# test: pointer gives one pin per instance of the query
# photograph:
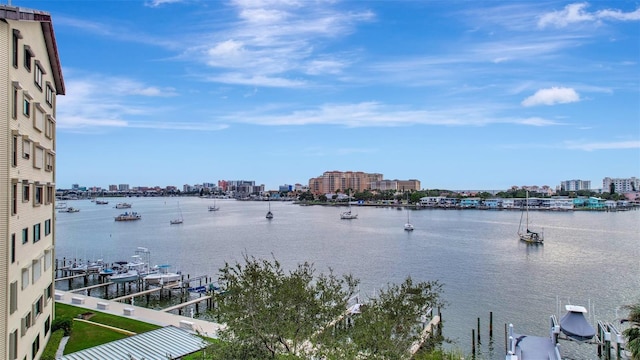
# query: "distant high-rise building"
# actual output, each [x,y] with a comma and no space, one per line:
[575,185]
[31,80]
[123,187]
[621,185]
[113,187]
[396,185]
[333,181]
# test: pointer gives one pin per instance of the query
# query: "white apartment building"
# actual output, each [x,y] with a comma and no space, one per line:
[31,77]
[621,186]
[575,185]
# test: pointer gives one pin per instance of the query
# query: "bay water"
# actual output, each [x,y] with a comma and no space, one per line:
[588,258]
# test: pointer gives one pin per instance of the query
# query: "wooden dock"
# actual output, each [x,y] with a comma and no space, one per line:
[181,305]
[144,292]
[424,335]
[71,277]
[91,287]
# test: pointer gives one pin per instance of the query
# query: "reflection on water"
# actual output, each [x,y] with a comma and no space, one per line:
[587,257]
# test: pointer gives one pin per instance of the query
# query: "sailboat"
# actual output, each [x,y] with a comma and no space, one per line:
[408,226]
[177,220]
[525,234]
[269,213]
[348,215]
[214,207]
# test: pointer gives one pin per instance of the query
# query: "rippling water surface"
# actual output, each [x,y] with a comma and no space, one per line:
[589,258]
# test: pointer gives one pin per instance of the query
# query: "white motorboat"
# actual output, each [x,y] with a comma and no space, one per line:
[123,206]
[129,216]
[162,276]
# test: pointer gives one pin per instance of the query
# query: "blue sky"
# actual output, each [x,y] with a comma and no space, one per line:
[456,94]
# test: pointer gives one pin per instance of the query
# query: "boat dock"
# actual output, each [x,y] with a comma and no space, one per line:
[179,307]
[160,318]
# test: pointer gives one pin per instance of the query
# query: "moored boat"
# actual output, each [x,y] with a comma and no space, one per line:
[128,216]
[123,206]
[162,276]
[69,210]
[575,325]
[525,234]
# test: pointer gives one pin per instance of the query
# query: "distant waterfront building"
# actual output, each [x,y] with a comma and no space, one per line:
[396,185]
[285,188]
[621,185]
[333,181]
[243,188]
[32,78]
[123,187]
[113,187]
[575,185]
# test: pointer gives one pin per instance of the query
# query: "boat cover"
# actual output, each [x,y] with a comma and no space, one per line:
[575,325]
[535,347]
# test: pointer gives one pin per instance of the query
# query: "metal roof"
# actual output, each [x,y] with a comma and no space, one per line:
[168,342]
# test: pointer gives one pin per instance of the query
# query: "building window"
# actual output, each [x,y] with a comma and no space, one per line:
[48,292]
[14,109]
[35,347]
[13,248]
[50,126]
[14,150]
[48,161]
[36,233]
[38,161]
[47,227]
[13,297]
[25,278]
[38,75]
[47,325]
[25,192]
[26,148]
[25,324]
[26,107]
[37,307]
[49,199]
[38,121]
[13,345]
[28,56]
[16,40]
[38,196]
[48,254]
[49,94]
[14,199]
[25,235]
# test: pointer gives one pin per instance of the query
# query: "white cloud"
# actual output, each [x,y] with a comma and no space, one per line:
[375,114]
[156,3]
[552,96]
[269,39]
[577,13]
[613,145]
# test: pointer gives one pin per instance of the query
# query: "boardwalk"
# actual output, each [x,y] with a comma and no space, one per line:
[160,318]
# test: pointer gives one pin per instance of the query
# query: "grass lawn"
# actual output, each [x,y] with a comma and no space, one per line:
[84,336]
[69,311]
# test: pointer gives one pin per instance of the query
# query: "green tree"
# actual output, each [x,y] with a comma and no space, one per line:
[273,313]
[633,333]
[270,311]
[387,327]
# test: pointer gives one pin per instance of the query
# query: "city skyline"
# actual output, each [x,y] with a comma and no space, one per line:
[458,95]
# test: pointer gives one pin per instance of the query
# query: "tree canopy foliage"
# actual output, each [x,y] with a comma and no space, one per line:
[633,332]
[298,314]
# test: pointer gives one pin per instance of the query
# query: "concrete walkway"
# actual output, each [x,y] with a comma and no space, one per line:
[156,317]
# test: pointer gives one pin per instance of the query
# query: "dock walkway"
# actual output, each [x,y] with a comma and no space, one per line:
[160,318]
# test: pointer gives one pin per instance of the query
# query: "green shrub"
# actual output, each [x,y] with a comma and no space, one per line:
[63,323]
